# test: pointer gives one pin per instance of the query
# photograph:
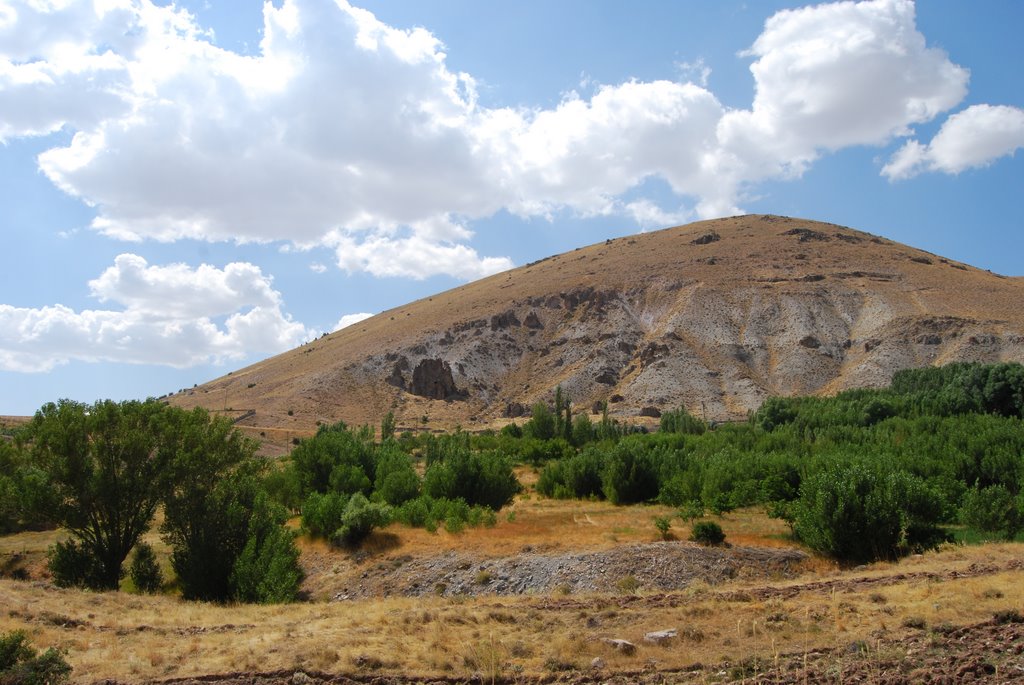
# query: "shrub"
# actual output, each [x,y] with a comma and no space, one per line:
[483,478]
[71,565]
[359,519]
[267,571]
[396,479]
[22,665]
[854,513]
[691,510]
[664,526]
[630,474]
[145,571]
[322,514]
[707,533]
[681,421]
[992,510]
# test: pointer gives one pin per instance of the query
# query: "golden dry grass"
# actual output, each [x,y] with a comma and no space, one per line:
[131,638]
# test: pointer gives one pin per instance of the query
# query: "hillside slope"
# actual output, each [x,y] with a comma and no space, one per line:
[716,315]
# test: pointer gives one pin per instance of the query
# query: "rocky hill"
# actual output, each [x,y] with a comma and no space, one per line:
[716,315]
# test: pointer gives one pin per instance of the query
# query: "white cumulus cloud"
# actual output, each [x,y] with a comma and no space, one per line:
[350,319]
[172,315]
[973,138]
[346,132]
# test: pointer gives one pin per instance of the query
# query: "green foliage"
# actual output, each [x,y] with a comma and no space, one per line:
[681,421]
[396,478]
[144,570]
[20,664]
[664,526]
[578,476]
[542,424]
[775,412]
[630,474]
[483,478]
[224,529]
[322,513]
[104,467]
[387,427]
[73,565]
[359,519]
[859,514]
[267,571]
[993,510]
[707,533]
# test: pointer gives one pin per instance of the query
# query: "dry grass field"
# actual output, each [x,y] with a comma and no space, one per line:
[890,617]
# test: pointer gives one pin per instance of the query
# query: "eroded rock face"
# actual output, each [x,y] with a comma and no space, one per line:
[432,378]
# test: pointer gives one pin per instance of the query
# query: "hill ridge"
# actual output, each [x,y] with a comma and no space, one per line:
[715,315]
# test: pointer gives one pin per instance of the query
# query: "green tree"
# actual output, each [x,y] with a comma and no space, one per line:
[993,510]
[105,470]
[541,424]
[145,571]
[856,513]
[630,474]
[387,427]
[219,521]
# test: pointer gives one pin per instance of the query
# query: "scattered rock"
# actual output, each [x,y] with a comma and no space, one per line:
[504,320]
[706,238]
[619,645]
[653,412]
[807,234]
[614,399]
[533,321]
[810,342]
[597,663]
[660,637]
[300,678]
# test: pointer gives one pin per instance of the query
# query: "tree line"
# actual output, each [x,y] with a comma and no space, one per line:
[867,474]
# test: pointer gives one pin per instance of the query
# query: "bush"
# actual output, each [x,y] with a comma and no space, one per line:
[145,571]
[664,526]
[630,474]
[322,514]
[993,510]
[707,533]
[857,514]
[483,478]
[22,665]
[71,565]
[267,571]
[359,519]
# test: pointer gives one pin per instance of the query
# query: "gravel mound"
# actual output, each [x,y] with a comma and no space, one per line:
[655,566]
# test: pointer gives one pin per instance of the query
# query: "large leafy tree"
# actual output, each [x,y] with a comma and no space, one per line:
[227,537]
[105,469]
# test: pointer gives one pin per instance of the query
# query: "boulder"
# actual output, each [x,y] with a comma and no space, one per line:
[660,637]
[619,645]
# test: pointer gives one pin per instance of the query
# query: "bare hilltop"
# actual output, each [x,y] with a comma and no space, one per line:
[715,315]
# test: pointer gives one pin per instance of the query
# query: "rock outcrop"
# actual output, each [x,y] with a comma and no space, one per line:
[432,378]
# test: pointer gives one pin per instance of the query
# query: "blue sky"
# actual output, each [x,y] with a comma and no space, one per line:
[188,188]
